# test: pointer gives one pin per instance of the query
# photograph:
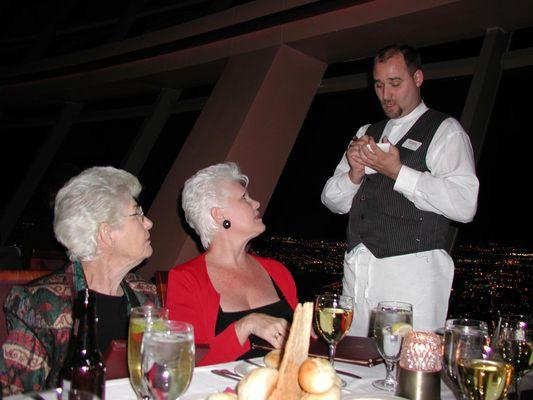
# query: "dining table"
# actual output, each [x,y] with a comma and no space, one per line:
[204,382]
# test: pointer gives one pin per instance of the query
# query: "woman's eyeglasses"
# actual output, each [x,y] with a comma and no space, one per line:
[139,213]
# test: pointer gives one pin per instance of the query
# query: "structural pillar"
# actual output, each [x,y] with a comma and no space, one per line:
[481,98]
[40,164]
[252,117]
[150,130]
[484,87]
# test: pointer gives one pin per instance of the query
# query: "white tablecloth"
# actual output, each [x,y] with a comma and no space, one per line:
[204,382]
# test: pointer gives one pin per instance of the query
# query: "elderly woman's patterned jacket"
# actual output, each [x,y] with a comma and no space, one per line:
[39,321]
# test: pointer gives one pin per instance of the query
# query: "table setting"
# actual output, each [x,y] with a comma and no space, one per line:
[462,362]
[204,383]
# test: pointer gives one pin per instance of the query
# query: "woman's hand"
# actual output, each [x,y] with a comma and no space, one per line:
[273,330]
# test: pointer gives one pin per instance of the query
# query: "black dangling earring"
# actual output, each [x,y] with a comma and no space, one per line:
[226,224]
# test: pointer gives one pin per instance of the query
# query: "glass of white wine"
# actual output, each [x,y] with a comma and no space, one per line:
[453,328]
[333,318]
[513,341]
[167,360]
[393,320]
[143,318]
[481,374]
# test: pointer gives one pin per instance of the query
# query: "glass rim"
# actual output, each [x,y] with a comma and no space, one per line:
[334,300]
[147,307]
[516,317]
[513,321]
[465,322]
[468,331]
[174,326]
[147,310]
[334,296]
[178,335]
[392,304]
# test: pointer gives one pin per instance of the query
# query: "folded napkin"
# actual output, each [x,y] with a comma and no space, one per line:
[383,146]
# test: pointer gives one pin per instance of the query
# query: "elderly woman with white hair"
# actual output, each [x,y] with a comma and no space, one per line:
[105,232]
[228,294]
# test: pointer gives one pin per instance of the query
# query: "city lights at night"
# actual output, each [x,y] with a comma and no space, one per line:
[489,280]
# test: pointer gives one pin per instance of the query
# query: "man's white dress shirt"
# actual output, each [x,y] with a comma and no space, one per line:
[424,279]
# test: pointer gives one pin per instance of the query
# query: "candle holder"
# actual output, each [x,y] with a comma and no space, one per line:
[420,365]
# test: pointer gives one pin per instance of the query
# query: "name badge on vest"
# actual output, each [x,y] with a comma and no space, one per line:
[411,144]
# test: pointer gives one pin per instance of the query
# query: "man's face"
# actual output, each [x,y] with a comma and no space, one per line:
[398,91]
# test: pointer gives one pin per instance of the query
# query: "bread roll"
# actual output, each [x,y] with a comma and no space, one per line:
[258,384]
[316,376]
[332,394]
[273,359]
[222,396]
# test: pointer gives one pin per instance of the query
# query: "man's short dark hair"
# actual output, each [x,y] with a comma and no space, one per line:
[410,55]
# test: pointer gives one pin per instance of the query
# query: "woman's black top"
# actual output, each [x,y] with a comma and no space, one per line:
[113,319]
[279,309]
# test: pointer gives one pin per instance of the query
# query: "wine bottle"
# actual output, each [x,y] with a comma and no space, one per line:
[84,367]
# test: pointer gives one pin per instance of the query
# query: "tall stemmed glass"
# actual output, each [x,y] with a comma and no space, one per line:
[168,360]
[452,331]
[333,317]
[481,374]
[144,318]
[513,341]
[393,320]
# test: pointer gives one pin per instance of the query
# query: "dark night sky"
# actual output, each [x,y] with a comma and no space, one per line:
[504,207]
[295,208]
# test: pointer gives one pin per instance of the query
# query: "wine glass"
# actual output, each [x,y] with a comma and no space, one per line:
[393,320]
[513,341]
[481,374]
[141,319]
[333,317]
[461,326]
[167,360]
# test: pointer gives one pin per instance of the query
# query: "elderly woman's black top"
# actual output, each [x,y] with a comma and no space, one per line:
[113,318]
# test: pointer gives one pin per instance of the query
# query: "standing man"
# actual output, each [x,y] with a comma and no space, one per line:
[401,199]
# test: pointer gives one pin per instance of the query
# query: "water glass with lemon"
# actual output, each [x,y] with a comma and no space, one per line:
[393,320]
[168,360]
[142,319]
